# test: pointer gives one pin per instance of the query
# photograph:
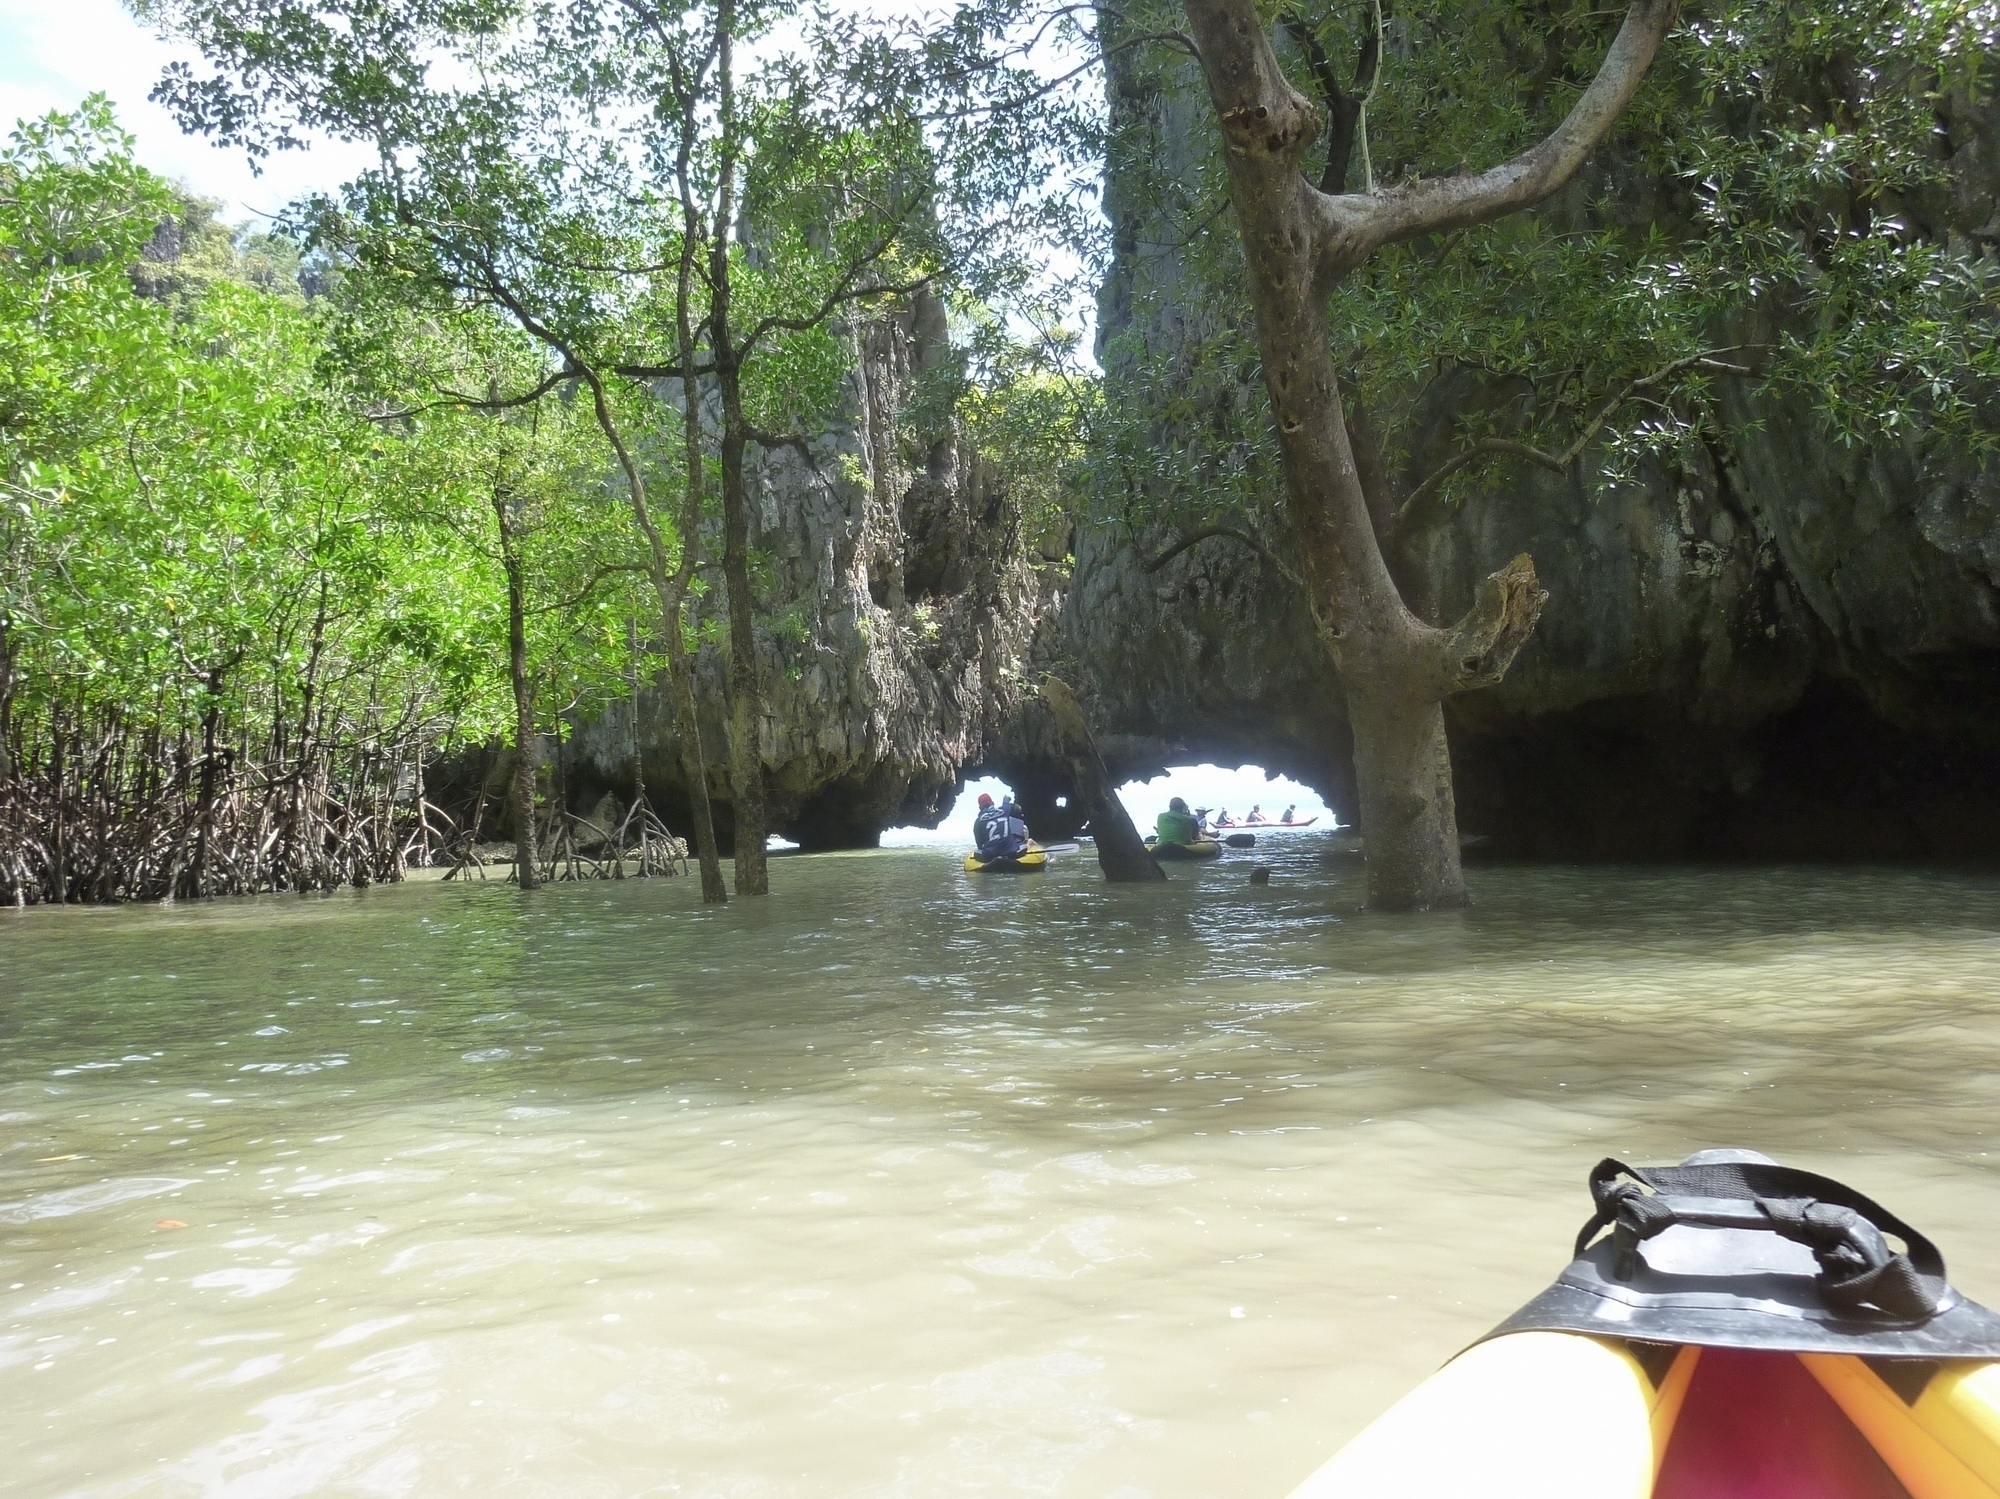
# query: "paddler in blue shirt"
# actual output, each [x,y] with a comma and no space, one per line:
[982,825]
[1176,825]
[999,832]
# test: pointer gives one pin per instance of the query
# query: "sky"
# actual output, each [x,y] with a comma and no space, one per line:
[55,52]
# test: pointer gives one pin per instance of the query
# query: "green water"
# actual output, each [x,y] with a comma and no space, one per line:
[899,1183]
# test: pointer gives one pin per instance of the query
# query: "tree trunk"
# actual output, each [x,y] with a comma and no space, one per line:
[1409,822]
[746,699]
[748,800]
[1298,243]
[7,649]
[670,588]
[1122,854]
[527,744]
[205,797]
[694,769]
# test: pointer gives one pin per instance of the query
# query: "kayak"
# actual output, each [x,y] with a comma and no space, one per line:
[1745,1331]
[1265,827]
[1035,858]
[1204,848]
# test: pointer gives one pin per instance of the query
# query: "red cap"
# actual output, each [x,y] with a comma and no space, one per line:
[985,800]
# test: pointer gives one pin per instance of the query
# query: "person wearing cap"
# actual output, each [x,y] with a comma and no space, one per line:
[1177,824]
[999,832]
[982,822]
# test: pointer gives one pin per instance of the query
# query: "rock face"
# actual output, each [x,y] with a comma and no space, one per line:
[1782,649]
[898,603]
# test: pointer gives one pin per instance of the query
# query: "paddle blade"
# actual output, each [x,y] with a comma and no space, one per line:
[1241,840]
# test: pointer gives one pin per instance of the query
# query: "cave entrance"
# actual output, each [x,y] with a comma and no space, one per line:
[1223,789]
[956,826]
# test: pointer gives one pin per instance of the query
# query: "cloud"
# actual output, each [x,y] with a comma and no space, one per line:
[54,52]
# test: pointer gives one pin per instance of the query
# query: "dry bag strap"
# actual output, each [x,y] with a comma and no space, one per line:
[1857,1269]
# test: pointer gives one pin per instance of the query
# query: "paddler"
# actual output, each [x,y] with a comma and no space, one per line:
[1256,817]
[982,824]
[999,832]
[1177,825]
[1288,815]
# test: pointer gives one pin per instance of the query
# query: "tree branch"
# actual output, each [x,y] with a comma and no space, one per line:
[1353,225]
[1560,463]
[590,586]
[1477,651]
[1342,108]
[458,400]
[846,289]
[795,440]
[658,371]
[1234,534]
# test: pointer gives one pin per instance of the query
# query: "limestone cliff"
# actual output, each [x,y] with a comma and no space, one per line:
[1780,647]
[897,603]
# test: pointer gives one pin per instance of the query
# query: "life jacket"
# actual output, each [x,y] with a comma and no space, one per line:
[982,825]
[1005,834]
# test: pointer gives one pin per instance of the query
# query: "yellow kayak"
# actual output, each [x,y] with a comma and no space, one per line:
[1035,858]
[1803,1366]
[1204,848]
[1558,1415]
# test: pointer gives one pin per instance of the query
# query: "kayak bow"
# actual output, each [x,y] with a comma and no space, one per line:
[1745,1331]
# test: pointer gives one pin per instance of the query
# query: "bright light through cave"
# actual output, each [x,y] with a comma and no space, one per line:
[1213,786]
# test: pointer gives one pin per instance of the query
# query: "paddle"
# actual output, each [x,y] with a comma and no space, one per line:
[1058,848]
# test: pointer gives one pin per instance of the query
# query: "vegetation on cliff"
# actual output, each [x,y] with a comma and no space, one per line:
[599,267]
[1776,211]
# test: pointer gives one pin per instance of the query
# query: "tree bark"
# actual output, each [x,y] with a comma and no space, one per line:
[670,588]
[1298,243]
[7,650]
[694,769]
[1122,854]
[527,743]
[748,799]
[211,718]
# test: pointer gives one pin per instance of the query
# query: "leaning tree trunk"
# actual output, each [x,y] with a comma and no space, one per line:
[1299,242]
[1122,854]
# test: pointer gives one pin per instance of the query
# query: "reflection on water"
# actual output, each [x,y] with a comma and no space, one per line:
[898,1183]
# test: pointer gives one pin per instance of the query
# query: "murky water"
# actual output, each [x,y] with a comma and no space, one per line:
[898,1183]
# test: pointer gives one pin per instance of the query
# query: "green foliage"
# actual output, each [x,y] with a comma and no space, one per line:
[557,178]
[1776,209]
[205,508]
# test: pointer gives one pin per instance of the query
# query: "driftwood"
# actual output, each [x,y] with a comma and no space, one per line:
[1121,853]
